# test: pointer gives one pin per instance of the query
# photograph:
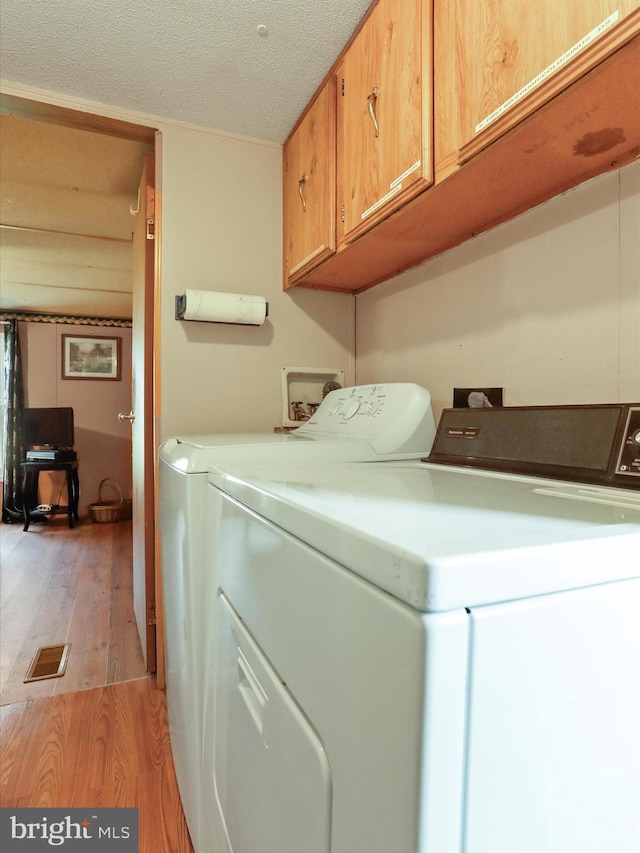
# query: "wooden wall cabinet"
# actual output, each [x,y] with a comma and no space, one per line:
[500,145]
[385,151]
[309,196]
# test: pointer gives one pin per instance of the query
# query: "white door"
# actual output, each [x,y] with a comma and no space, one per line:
[144,601]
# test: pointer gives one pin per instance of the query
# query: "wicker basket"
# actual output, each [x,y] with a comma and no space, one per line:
[104,512]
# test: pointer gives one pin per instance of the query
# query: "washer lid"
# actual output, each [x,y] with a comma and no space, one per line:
[195,454]
[441,538]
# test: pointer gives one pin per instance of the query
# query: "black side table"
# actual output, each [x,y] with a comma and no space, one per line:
[30,477]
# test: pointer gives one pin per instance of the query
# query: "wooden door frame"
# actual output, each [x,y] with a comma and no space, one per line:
[53,113]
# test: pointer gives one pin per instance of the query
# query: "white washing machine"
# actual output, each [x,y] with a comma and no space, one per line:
[438,656]
[357,424]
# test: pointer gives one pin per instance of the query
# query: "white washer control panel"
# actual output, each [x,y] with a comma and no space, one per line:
[392,417]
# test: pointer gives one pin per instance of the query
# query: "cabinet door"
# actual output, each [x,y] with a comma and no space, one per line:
[310,188]
[384,115]
[510,53]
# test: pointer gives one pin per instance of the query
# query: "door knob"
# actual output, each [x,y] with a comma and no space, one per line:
[130,417]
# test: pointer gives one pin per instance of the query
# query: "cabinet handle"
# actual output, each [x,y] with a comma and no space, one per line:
[371,102]
[301,184]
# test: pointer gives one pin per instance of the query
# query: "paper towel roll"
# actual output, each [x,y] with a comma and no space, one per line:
[214,307]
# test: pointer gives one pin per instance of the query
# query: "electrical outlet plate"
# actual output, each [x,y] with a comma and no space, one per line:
[470,398]
[304,385]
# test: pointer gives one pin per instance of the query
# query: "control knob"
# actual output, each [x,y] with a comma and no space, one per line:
[350,408]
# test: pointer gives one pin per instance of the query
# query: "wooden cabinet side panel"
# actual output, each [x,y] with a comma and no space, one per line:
[309,174]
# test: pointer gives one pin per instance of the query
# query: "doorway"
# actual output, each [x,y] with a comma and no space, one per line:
[31,214]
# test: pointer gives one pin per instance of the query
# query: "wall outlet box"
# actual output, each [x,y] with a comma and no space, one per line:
[302,386]
[476,398]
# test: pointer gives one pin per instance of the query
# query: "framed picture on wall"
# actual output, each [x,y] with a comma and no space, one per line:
[89,357]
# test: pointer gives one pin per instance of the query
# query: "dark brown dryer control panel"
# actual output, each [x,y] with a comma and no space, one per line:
[598,444]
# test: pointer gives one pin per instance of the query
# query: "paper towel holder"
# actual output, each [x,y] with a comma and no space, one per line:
[181,304]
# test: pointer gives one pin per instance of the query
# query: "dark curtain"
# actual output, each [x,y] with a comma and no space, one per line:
[13,450]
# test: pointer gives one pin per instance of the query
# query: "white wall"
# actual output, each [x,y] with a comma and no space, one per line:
[222,231]
[547,306]
[102,443]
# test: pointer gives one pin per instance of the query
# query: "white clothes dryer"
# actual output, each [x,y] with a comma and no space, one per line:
[438,656]
[356,424]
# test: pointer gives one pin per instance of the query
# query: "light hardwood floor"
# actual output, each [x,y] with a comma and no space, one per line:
[103,747]
[67,586]
[98,735]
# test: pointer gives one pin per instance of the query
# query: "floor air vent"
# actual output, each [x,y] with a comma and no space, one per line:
[48,662]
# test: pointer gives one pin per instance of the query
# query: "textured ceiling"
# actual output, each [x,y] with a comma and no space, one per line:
[65,241]
[203,62]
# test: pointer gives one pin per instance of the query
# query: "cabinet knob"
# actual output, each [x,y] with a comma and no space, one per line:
[372,97]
